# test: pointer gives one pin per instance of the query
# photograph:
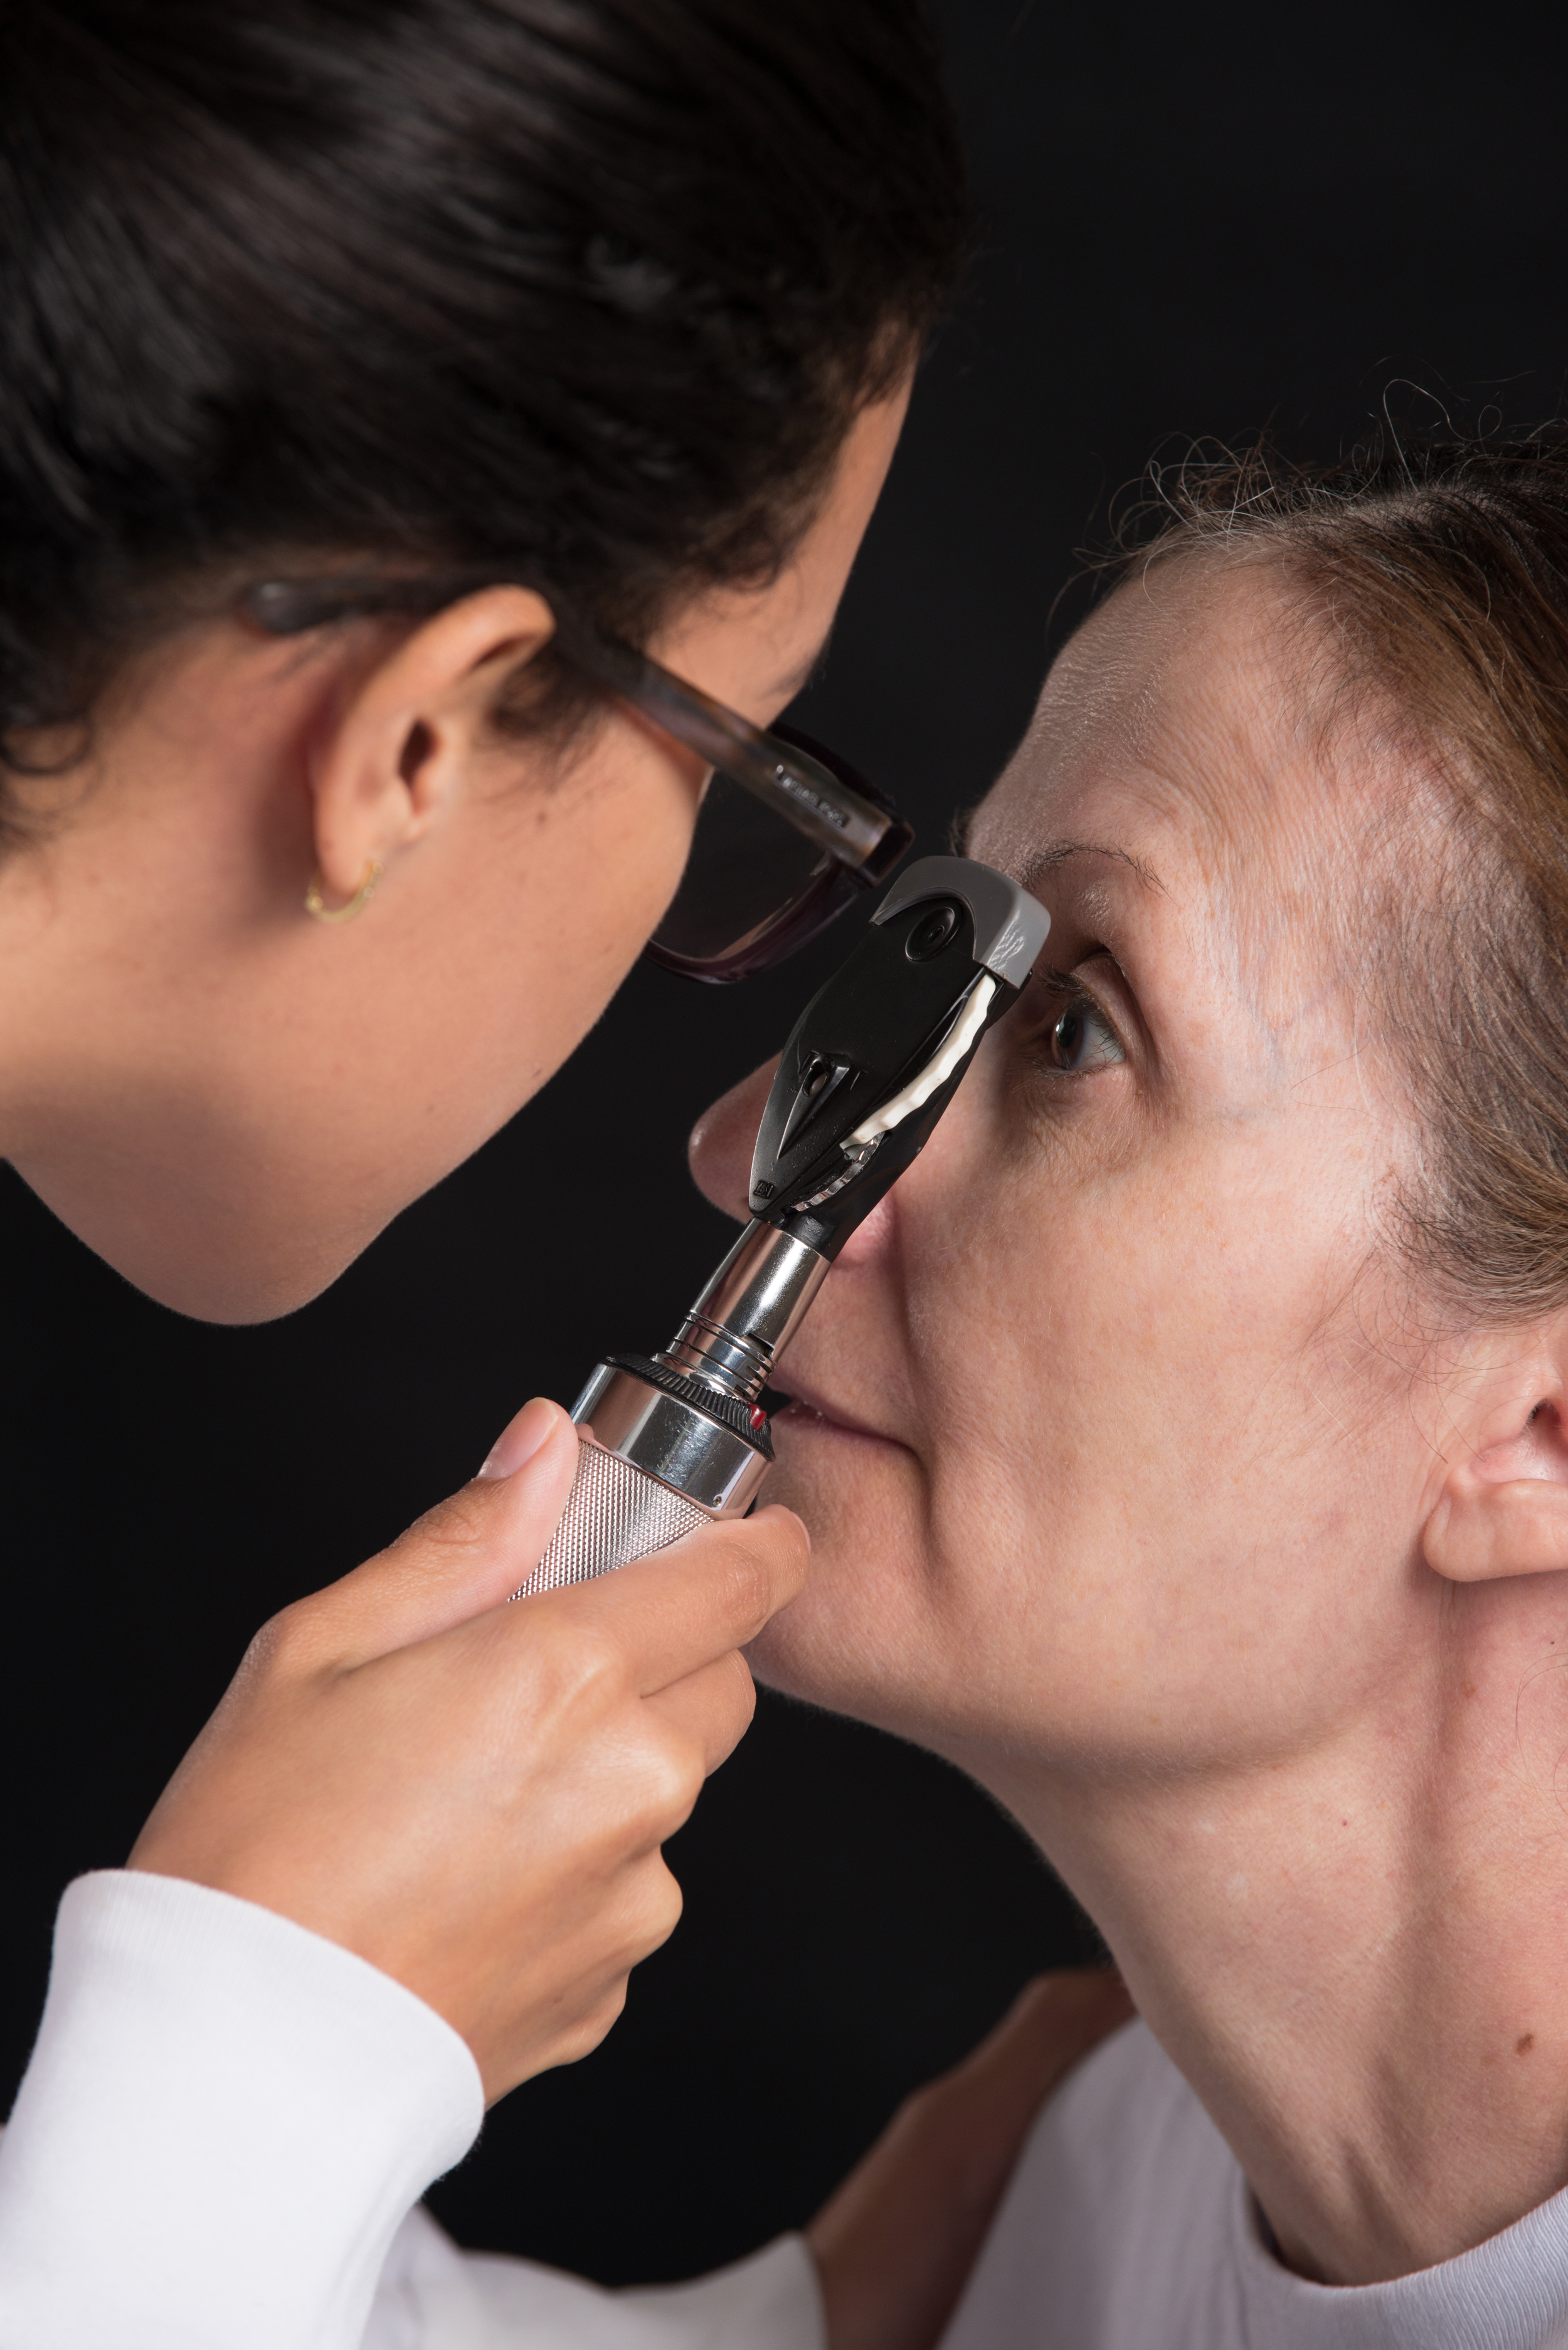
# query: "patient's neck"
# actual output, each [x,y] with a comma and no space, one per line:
[1359,1956]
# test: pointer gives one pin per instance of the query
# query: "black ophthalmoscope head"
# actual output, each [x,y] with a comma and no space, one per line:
[869,1069]
[879,1052]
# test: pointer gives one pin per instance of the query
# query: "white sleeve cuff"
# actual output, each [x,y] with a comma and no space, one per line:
[225,2120]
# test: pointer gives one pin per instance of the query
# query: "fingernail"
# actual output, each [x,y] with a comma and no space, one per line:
[519,1438]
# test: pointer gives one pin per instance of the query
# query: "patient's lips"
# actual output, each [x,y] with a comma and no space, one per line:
[808,1409]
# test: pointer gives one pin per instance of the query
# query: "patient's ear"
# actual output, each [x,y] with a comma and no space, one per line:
[1503,1508]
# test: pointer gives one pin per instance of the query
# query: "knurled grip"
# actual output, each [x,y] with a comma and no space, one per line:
[614,1514]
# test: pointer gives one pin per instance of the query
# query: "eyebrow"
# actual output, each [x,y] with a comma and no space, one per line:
[1045,861]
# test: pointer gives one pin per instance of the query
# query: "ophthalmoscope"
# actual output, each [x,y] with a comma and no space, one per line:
[674,1439]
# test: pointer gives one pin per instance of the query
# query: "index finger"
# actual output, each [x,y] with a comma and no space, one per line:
[681,1608]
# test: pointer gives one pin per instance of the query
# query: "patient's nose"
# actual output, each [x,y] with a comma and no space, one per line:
[723,1138]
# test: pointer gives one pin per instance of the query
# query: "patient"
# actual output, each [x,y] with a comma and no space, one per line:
[1185,1440]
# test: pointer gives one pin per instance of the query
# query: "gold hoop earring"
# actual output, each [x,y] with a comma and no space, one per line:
[315,903]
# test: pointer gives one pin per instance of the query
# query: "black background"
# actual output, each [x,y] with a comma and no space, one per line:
[1195,222]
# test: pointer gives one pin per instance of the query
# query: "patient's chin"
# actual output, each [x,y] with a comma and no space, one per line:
[808,1652]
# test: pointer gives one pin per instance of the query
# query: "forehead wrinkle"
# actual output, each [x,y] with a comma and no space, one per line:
[1255,761]
[1298,872]
[1262,922]
[1210,716]
[1258,918]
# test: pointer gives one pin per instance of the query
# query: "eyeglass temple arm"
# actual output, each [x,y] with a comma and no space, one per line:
[829,811]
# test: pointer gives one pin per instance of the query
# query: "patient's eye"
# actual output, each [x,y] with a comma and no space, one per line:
[1082,1039]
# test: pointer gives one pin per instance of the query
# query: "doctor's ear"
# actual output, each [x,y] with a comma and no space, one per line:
[392,756]
[1504,1511]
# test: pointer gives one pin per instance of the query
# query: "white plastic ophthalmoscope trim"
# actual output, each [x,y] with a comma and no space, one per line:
[936,1071]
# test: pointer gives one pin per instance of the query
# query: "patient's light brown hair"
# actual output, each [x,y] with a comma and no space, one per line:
[1442,574]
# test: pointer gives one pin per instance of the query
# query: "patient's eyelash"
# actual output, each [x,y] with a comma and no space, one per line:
[1082,1039]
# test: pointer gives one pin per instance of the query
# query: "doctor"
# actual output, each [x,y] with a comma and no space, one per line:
[434,434]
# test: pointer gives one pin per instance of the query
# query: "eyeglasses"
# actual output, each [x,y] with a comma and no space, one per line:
[755,890]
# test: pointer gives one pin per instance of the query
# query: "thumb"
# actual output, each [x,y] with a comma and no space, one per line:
[463,1557]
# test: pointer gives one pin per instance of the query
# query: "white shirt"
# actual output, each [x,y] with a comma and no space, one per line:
[1128,2225]
[227,2119]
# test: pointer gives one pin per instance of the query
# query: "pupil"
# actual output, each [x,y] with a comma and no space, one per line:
[1068,1037]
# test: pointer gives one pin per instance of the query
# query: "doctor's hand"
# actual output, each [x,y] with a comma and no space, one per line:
[472,1795]
[895,2245]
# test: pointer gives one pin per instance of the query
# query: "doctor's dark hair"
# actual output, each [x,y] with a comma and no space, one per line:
[1437,576]
[582,292]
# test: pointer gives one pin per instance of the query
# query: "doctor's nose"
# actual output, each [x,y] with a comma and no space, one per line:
[723,1138]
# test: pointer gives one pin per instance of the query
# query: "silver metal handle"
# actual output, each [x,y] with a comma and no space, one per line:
[614,1513]
[670,1443]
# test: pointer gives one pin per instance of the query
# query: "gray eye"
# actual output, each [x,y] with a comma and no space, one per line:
[1082,1039]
